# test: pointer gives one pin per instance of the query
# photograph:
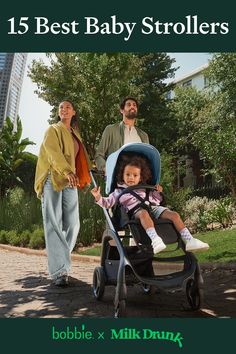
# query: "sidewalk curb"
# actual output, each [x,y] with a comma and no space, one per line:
[32,252]
[96,259]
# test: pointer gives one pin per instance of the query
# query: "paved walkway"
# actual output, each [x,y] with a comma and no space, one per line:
[25,291]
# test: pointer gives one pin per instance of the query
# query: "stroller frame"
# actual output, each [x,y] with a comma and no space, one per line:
[120,264]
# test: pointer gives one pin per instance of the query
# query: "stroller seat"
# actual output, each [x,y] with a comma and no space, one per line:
[164,228]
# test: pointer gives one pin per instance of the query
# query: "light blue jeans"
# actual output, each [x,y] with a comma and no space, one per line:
[61,226]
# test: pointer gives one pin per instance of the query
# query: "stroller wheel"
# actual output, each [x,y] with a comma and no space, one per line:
[98,282]
[120,309]
[194,294]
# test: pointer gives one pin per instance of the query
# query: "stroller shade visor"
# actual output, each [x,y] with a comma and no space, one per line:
[147,150]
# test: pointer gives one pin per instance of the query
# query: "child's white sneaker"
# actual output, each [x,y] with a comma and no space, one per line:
[196,245]
[158,245]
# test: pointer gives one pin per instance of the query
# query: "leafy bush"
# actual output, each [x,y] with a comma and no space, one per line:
[37,240]
[12,238]
[3,236]
[25,238]
[19,211]
[174,199]
[168,173]
[177,201]
[197,213]
[92,218]
[200,212]
[223,212]
[15,196]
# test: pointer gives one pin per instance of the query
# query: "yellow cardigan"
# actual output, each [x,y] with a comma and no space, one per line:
[57,157]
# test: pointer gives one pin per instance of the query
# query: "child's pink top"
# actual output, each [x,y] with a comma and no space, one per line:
[128,200]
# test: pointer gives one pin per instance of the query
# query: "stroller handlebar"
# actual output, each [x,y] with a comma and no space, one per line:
[98,173]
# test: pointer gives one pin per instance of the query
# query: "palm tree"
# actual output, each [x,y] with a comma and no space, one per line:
[12,154]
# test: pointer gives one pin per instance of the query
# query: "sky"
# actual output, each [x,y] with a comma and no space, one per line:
[34,112]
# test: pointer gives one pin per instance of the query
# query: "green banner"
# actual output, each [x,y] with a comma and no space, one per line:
[121,26]
[117,335]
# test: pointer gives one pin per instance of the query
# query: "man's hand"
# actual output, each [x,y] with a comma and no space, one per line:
[96,193]
[73,180]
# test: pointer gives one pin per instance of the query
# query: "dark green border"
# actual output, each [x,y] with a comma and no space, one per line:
[29,335]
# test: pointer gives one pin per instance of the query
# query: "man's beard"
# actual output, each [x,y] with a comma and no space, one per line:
[131,115]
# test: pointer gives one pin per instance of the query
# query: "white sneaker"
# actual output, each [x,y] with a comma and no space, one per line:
[158,245]
[196,245]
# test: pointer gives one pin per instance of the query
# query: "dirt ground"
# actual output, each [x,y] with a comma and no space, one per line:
[26,291]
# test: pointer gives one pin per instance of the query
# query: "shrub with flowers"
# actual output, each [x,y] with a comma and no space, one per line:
[203,213]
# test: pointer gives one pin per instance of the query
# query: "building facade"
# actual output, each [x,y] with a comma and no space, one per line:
[12,68]
[195,78]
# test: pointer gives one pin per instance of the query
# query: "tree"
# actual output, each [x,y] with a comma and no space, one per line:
[95,82]
[206,121]
[185,108]
[216,125]
[156,68]
[215,137]
[222,75]
[12,154]
[26,172]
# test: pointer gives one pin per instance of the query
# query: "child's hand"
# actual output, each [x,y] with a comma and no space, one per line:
[159,188]
[96,193]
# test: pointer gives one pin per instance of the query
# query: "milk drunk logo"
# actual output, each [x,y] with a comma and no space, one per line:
[92,26]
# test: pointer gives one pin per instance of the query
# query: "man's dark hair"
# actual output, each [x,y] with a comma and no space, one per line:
[122,104]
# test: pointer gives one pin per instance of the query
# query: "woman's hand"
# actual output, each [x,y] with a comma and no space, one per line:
[73,180]
[159,188]
[96,193]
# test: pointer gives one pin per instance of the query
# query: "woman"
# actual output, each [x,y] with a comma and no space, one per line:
[63,166]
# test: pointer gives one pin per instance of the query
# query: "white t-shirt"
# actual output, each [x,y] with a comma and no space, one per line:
[131,135]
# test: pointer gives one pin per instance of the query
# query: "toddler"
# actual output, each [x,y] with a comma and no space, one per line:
[136,171]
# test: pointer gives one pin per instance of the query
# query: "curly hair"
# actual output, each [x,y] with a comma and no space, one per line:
[132,159]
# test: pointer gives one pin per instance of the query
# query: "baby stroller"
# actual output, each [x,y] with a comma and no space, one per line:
[123,264]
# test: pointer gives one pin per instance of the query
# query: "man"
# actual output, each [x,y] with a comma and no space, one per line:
[118,134]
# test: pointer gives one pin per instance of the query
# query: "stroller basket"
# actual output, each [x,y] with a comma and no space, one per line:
[140,259]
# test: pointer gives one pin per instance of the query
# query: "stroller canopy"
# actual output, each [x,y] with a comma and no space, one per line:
[149,151]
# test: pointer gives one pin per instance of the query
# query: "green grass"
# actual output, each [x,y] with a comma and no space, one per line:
[93,251]
[222,247]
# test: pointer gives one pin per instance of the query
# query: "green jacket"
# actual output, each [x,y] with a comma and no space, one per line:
[57,157]
[112,139]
